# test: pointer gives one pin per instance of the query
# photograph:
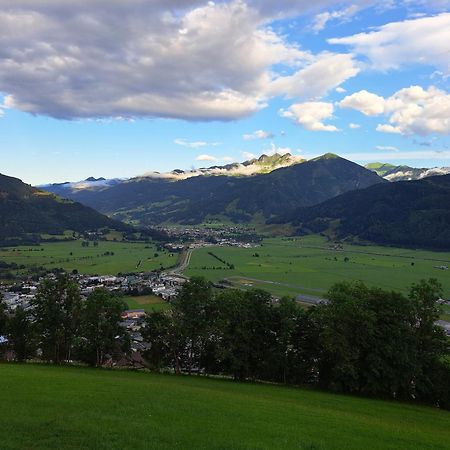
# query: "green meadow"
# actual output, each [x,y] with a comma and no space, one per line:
[148,303]
[307,265]
[49,407]
[106,258]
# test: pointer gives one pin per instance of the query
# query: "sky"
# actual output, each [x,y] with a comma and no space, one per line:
[118,88]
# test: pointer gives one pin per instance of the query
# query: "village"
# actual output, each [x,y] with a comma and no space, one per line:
[164,285]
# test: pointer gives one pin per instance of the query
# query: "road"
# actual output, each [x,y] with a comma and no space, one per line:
[310,299]
[182,264]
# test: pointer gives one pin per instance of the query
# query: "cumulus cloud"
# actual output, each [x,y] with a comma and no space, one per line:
[340,90]
[424,40]
[365,102]
[354,126]
[183,59]
[310,115]
[195,144]
[412,110]
[386,128]
[258,134]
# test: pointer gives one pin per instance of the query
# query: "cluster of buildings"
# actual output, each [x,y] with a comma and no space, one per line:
[228,235]
[165,286]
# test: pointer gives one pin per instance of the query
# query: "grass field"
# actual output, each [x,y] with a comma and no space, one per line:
[148,303]
[106,258]
[45,407]
[307,265]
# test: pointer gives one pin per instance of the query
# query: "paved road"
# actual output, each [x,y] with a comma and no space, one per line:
[182,265]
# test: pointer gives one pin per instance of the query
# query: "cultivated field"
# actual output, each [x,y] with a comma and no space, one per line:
[106,258]
[309,266]
[148,303]
[45,407]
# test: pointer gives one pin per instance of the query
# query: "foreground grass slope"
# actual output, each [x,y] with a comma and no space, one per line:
[44,407]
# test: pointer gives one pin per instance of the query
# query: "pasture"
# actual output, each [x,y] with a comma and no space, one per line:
[149,303]
[106,258]
[49,407]
[308,265]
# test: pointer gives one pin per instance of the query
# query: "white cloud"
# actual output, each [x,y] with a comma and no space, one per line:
[248,155]
[325,73]
[275,150]
[195,144]
[425,40]
[412,110]
[310,115]
[365,102]
[387,147]
[321,20]
[206,158]
[258,134]
[183,59]
[386,128]
[340,90]
[354,126]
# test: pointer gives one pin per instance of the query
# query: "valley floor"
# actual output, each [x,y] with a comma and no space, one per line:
[310,265]
[47,407]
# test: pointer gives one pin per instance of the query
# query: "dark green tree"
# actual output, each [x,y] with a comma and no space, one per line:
[194,315]
[21,334]
[57,309]
[166,344]
[100,331]
[3,316]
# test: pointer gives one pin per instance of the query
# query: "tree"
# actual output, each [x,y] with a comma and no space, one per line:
[297,348]
[100,330]
[3,316]
[21,334]
[246,334]
[380,343]
[193,313]
[430,341]
[166,345]
[57,308]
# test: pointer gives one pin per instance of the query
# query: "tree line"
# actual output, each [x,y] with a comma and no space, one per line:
[61,327]
[363,341]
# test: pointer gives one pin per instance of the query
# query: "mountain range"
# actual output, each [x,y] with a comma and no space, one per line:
[405,173]
[26,212]
[277,183]
[406,213]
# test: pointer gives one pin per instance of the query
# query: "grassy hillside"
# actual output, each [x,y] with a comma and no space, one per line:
[44,407]
[407,213]
[26,211]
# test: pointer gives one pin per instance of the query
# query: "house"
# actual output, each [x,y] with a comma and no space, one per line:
[133,314]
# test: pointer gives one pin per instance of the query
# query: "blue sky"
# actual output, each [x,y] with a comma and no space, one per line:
[127,88]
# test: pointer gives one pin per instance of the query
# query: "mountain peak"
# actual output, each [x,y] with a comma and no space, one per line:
[327,156]
[93,179]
